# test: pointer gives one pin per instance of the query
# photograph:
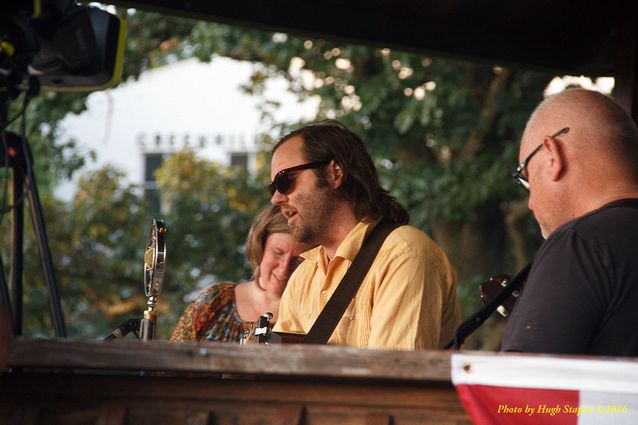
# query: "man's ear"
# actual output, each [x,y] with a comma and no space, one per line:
[336,174]
[556,158]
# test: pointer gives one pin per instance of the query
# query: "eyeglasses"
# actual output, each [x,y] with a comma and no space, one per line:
[281,183]
[520,174]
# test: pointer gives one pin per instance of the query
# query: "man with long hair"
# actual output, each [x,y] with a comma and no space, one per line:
[328,189]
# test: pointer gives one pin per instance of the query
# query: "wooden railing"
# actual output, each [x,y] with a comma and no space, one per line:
[122,382]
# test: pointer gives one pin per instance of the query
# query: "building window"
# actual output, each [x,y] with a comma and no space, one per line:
[152,161]
[239,159]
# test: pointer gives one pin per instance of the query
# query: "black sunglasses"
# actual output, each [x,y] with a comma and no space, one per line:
[281,183]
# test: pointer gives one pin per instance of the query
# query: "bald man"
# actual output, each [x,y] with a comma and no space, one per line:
[579,161]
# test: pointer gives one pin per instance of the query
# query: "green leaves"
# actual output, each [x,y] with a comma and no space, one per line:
[444,134]
[210,209]
[98,243]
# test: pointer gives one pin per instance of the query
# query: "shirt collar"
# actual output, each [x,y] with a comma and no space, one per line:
[348,248]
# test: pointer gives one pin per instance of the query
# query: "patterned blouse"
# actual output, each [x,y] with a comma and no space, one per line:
[212,317]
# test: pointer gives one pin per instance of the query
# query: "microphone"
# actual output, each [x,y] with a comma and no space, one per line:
[123,329]
[154,267]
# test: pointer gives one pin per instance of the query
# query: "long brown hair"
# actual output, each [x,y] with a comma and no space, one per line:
[331,140]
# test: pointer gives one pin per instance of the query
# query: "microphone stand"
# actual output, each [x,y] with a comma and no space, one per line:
[475,321]
[154,266]
[143,328]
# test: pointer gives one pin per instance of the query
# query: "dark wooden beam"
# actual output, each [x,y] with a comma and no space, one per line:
[558,35]
[626,76]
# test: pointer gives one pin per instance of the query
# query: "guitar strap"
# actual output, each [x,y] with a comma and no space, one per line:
[350,283]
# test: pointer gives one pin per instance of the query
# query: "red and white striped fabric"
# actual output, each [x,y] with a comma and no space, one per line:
[530,390]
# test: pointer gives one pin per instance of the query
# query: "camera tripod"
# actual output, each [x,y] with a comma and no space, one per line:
[17,156]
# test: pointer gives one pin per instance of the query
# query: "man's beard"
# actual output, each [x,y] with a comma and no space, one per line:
[316,211]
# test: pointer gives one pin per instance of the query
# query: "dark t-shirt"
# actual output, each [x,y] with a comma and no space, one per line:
[581,295]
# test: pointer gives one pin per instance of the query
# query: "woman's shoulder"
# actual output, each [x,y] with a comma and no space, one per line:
[217,292]
[214,314]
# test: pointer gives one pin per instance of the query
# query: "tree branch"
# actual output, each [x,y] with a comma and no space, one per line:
[110,310]
[489,113]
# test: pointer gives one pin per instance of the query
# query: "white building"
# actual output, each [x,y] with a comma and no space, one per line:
[186,104]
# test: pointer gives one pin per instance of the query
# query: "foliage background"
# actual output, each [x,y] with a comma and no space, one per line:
[443,134]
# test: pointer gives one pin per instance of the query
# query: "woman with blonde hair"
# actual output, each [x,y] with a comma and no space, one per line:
[224,310]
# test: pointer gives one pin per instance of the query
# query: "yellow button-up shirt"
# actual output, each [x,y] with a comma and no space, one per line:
[406,301]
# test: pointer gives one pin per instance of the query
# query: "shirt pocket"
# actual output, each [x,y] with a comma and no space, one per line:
[349,330]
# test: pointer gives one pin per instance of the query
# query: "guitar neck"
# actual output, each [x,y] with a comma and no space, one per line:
[288,338]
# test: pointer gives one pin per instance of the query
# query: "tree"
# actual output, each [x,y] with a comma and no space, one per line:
[442,132]
[209,209]
[98,242]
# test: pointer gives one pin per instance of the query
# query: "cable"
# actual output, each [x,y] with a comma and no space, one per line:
[11,120]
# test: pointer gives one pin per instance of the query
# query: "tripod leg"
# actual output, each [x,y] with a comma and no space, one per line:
[17,238]
[20,160]
[45,255]
[4,290]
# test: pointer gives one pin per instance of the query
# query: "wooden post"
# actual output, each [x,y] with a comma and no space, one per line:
[626,86]
[70,382]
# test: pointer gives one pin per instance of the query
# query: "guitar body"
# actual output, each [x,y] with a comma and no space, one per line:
[262,333]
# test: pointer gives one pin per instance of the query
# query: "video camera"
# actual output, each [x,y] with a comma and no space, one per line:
[67,46]
[54,45]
